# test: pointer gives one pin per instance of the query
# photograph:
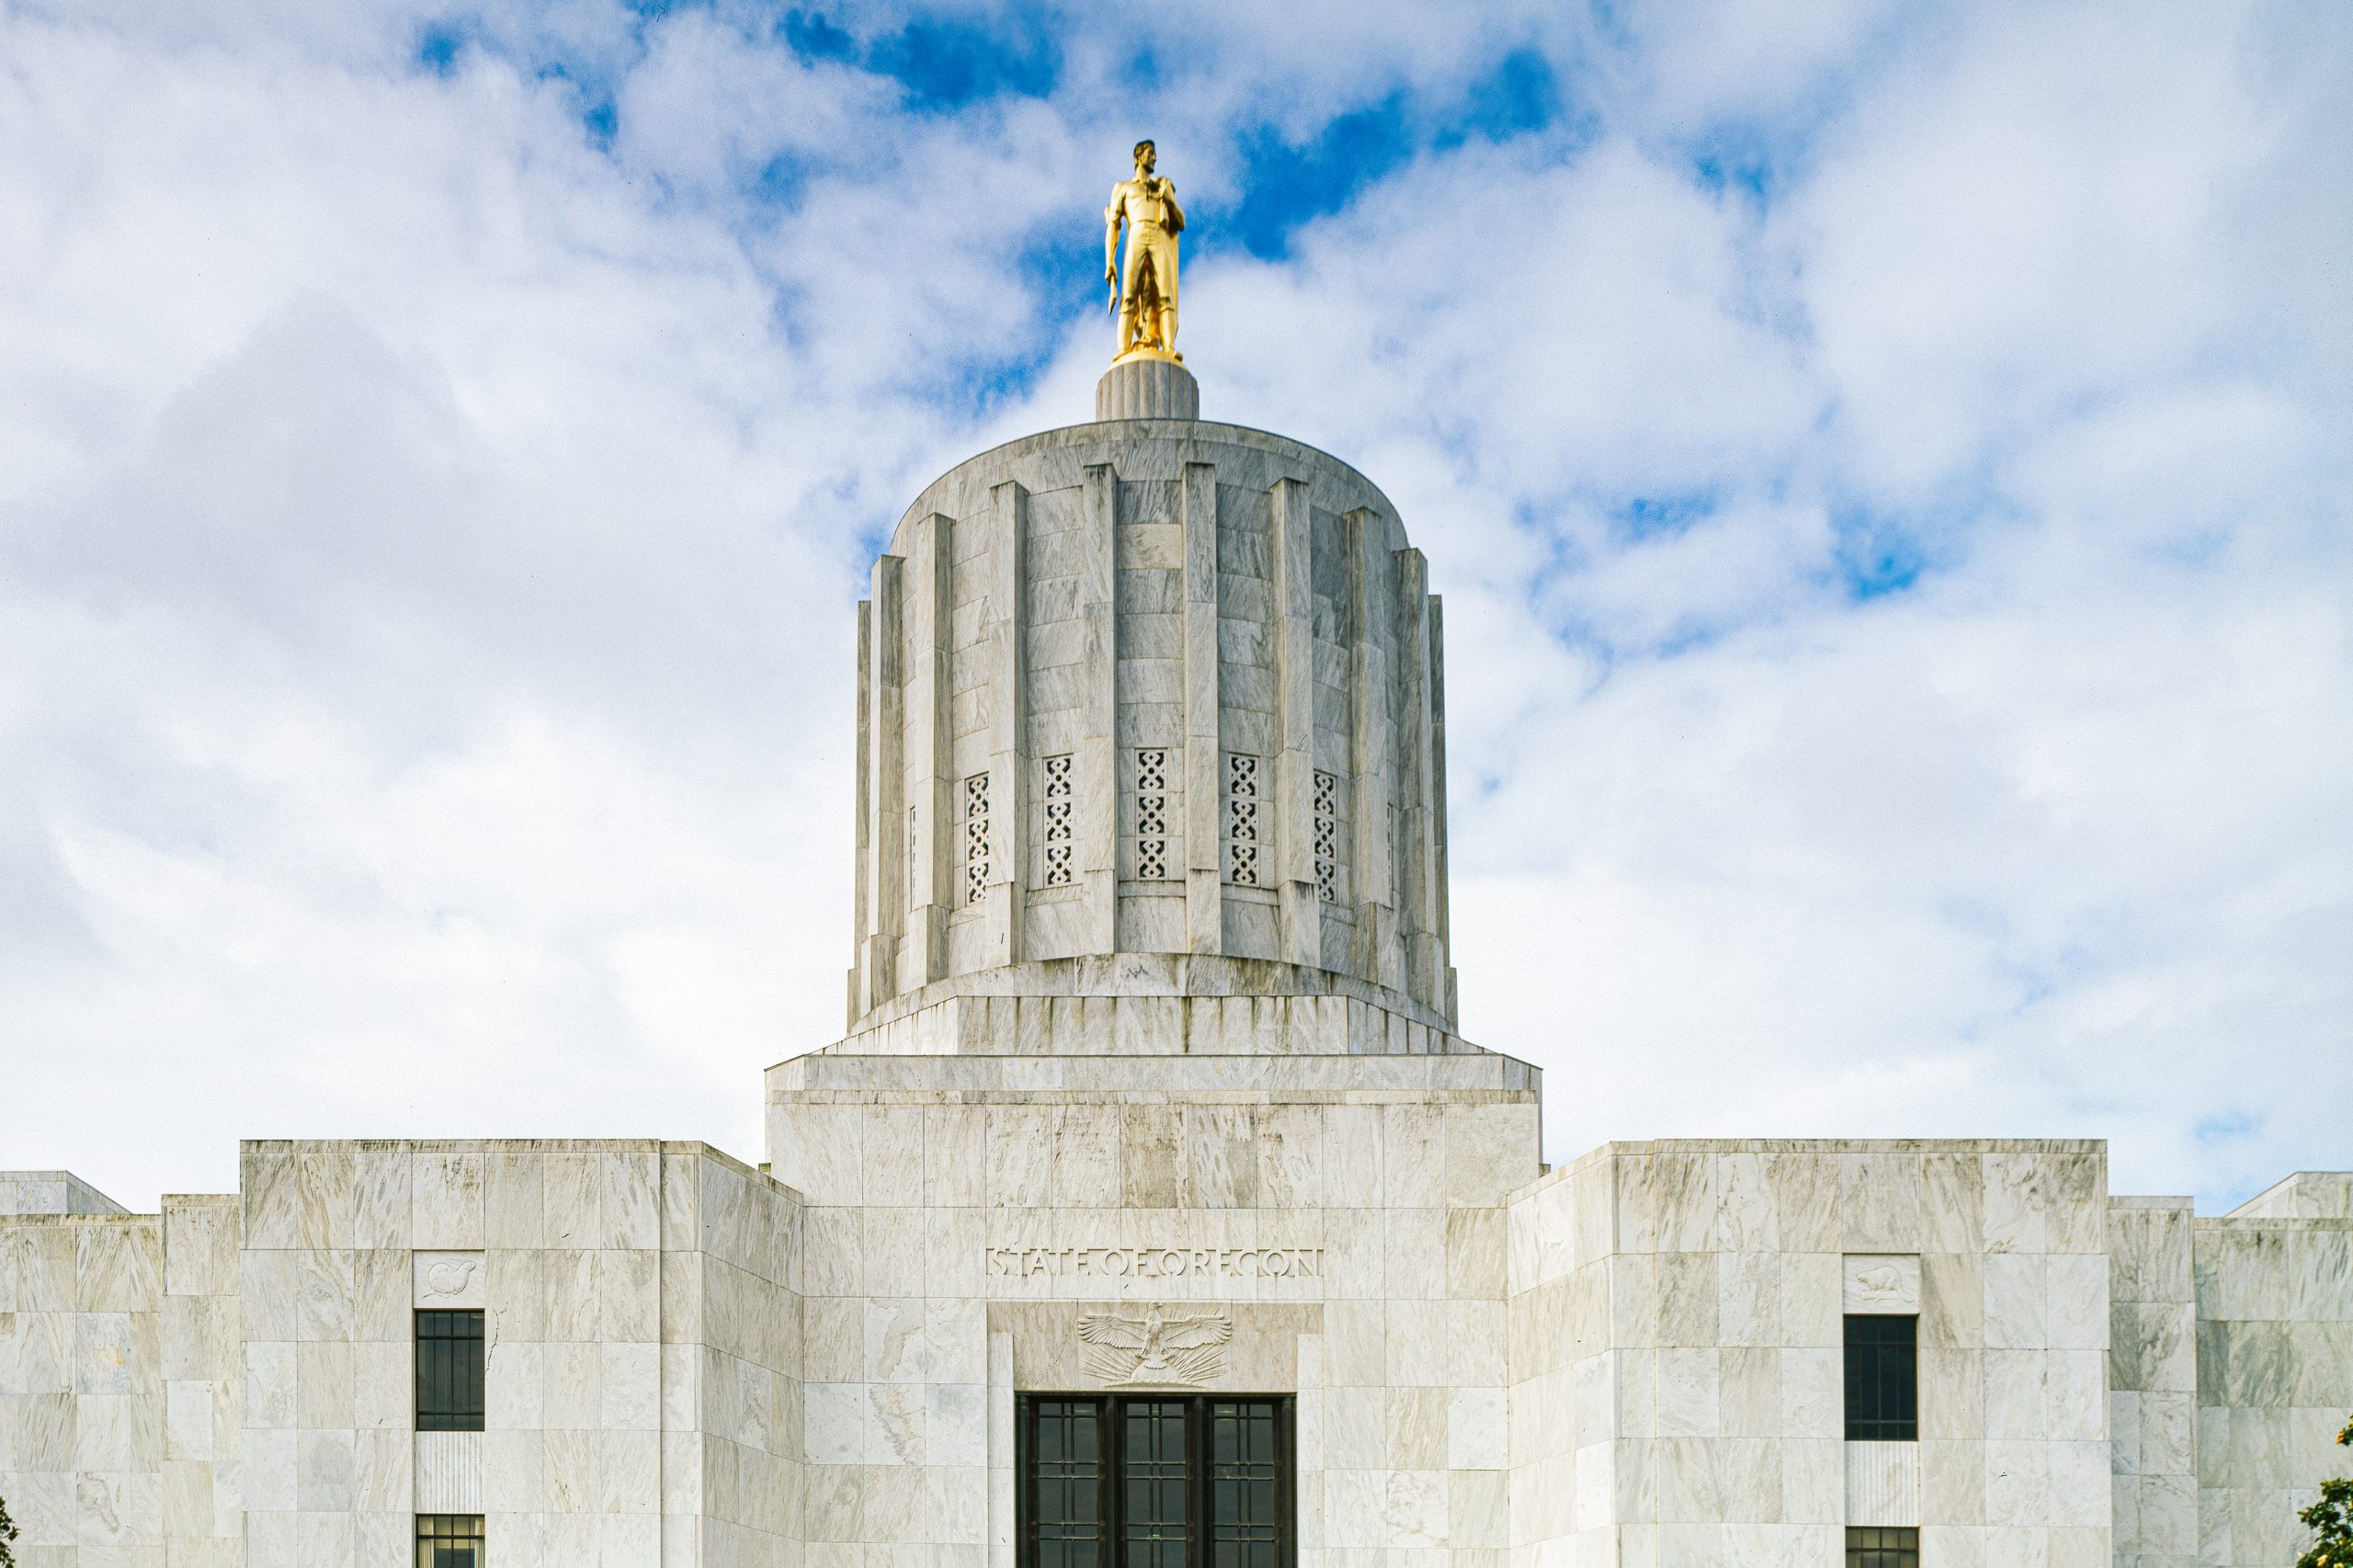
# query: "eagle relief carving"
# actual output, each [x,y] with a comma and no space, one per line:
[1155,1347]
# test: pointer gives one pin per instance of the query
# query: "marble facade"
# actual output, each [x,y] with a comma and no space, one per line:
[1094,1073]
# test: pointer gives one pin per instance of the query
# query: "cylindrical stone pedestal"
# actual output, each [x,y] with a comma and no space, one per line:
[1147,388]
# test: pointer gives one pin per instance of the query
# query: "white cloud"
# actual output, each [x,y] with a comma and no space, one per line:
[427,538]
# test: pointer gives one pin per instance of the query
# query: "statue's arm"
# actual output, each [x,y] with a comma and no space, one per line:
[1113,216]
[1176,220]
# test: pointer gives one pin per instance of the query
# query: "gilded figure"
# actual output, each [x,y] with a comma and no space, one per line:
[1144,288]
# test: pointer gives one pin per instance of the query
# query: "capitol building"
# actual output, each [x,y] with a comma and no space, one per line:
[1150,1211]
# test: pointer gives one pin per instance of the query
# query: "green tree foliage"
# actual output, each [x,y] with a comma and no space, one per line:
[2331,1521]
[7,1534]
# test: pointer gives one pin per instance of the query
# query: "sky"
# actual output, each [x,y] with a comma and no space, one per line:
[1886,467]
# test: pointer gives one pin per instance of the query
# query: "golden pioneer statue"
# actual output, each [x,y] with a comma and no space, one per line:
[1143,292]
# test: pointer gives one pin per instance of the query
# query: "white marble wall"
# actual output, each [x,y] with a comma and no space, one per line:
[2152,1382]
[955,1236]
[2231,1372]
[1631,1361]
[204,1383]
[231,1381]
[52,1192]
[642,1381]
[2275,1379]
[2307,1195]
[82,1389]
[1676,1370]
[732,1358]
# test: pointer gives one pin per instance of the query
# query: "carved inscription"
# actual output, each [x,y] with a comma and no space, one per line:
[1159,1263]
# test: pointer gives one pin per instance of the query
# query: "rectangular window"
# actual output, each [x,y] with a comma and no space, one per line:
[1152,815]
[1246,1480]
[1064,1486]
[1154,1481]
[1155,1501]
[448,1373]
[449,1540]
[1882,1380]
[1878,1546]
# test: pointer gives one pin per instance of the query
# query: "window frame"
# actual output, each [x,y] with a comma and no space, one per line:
[1903,1552]
[452,1532]
[1878,1425]
[441,1420]
[1112,1431]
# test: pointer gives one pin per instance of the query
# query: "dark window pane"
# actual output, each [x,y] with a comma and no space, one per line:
[1244,1523]
[1879,1547]
[1153,1497]
[1066,1483]
[448,1373]
[449,1540]
[1882,1380]
[1153,1480]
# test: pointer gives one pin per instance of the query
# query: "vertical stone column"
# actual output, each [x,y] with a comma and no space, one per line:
[927,825]
[881,781]
[1289,822]
[1371,579]
[860,979]
[1418,894]
[1442,991]
[1003,1440]
[1204,878]
[1097,761]
[1003,914]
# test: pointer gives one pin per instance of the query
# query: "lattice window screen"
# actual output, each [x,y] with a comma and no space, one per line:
[1061,829]
[1242,838]
[1327,837]
[976,837]
[1152,815]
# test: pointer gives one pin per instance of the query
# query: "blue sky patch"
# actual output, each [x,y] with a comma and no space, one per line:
[2227,1127]
[1648,516]
[943,63]
[814,36]
[1285,184]
[437,48]
[1745,171]
[1876,555]
[1519,96]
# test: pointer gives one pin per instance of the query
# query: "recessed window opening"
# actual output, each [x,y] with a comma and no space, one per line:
[1155,1481]
[448,1372]
[449,1540]
[1882,1378]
